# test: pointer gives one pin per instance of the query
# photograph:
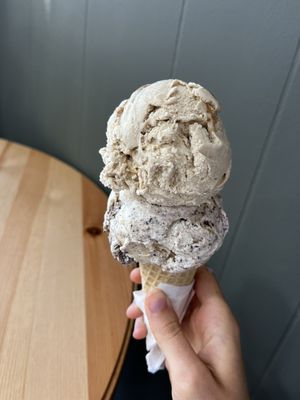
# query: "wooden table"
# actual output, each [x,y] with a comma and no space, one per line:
[63,330]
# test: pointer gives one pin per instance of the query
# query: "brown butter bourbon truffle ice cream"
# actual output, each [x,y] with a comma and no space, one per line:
[167,144]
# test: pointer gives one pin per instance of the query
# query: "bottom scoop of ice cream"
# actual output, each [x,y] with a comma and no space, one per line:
[175,238]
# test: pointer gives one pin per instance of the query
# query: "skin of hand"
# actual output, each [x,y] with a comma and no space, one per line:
[203,354]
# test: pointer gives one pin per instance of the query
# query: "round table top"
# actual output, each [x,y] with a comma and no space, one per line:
[63,329]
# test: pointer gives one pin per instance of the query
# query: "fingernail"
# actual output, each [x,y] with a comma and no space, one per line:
[210,270]
[157,301]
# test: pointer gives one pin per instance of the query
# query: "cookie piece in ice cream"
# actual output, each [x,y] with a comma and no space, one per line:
[175,238]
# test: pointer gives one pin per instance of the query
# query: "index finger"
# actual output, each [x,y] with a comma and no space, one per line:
[206,286]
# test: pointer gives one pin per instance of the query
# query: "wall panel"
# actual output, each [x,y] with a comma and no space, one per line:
[128,43]
[262,275]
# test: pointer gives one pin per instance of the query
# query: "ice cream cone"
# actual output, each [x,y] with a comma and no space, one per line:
[152,275]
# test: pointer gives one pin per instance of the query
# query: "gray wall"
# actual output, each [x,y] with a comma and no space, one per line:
[65,65]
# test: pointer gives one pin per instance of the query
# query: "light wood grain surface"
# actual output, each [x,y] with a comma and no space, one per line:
[63,330]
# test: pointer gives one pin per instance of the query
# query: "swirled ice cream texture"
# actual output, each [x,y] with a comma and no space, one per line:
[167,144]
[176,238]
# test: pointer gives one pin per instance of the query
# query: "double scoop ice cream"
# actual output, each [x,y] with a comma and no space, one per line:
[167,157]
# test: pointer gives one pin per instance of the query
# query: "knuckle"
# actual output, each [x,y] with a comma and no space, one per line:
[170,329]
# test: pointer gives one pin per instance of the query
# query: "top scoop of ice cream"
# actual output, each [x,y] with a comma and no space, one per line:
[167,144]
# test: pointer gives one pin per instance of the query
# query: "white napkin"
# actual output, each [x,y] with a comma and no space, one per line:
[180,297]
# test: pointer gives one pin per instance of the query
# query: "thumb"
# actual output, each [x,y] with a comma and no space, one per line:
[167,331]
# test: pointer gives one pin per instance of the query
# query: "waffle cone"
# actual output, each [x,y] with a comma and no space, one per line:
[152,275]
